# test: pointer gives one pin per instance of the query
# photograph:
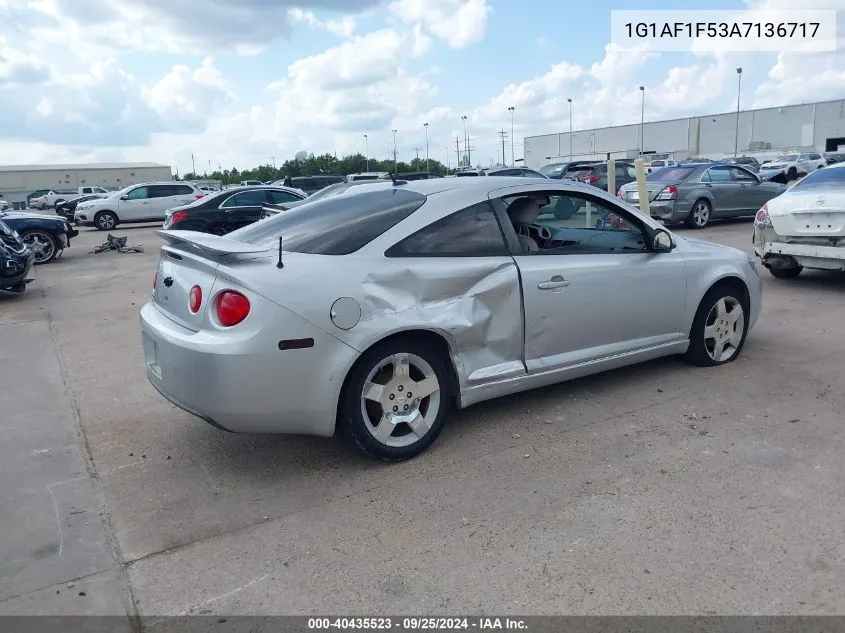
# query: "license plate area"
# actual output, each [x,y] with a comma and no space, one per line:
[151,356]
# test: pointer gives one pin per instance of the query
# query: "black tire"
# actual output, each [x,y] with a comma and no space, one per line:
[43,243]
[791,174]
[353,407]
[105,220]
[58,202]
[220,228]
[786,273]
[699,352]
[697,211]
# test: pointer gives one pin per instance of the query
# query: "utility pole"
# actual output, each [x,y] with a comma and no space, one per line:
[570,129]
[738,93]
[425,125]
[504,135]
[417,150]
[458,150]
[466,139]
[193,165]
[395,168]
[367,151]
[642,122]
[513,158]
[468,149]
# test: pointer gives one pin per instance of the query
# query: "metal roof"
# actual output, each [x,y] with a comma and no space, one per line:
[79,166]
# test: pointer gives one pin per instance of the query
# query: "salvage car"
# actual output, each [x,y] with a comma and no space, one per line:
[804,227]
[67,209]
[16,260]
[225,211]
[146,202]
[46,235]
[796,164]
[376,311]
[328,192]
[695,193]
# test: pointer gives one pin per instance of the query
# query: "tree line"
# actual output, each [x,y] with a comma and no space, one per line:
[314,165]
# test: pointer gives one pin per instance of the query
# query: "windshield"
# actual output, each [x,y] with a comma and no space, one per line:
[675,173]
[335,226]
[788,157]
[826,179]
[553,168]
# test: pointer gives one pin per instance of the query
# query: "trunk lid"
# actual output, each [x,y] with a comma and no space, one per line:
[630,193]
[816,213]
[191,259]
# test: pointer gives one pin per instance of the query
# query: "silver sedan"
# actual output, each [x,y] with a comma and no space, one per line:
[377,311]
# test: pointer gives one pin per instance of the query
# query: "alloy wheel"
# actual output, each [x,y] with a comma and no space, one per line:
[723,329]
[42,244]
[701,214]
[400,400]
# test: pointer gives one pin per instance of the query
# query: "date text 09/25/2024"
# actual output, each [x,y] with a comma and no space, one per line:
[416,624]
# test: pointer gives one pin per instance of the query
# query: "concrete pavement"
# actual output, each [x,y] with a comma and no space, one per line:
[661,489]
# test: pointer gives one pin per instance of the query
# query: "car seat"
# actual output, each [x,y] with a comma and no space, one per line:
[523,212]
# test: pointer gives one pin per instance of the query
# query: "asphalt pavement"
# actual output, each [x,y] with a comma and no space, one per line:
[657,489]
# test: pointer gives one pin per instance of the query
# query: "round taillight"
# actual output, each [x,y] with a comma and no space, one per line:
[155,281]
[232,308]
[195,299]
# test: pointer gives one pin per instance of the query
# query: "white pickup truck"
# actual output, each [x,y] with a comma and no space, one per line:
[54,197]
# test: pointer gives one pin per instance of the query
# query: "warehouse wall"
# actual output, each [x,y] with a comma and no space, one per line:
[806,126]
[15,185]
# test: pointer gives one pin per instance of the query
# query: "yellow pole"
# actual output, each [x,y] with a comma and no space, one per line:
[611,177]
[642,189]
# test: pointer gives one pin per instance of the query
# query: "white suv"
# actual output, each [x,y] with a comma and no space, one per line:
[147,202]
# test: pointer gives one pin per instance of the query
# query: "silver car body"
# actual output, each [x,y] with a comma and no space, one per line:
[730,190]
[510,322]
[806,225]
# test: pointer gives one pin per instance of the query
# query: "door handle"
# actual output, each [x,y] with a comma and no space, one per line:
[555,283]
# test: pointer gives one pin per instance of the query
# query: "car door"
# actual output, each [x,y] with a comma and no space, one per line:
[718,181]
[244,208]
[480,308]
[593,289]
[135,205]
[751,194]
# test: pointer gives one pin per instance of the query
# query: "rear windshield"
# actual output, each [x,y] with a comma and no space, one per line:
[553,168]
[598,167]
[338,225]
[675,173]
[823,179]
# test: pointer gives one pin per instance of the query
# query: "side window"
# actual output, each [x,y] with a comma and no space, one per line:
[530,174]
[159,191]
[574,224]
[181,190]
[804,157]
[622,171]
[815,156]
[508,172]
[280,197]
[472,232]
[254,198]
[719,174]
[139,193]
[741,175]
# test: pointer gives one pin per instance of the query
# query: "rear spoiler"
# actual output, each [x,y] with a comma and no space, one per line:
[211,243]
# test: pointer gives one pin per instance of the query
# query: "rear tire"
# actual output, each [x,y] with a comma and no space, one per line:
[719,328]
[700,214]
[786,273]
[379,409]
[57,203]
[105,220]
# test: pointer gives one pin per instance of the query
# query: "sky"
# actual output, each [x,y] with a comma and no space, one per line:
[238,83]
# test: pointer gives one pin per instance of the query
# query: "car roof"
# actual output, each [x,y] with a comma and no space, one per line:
[483,186]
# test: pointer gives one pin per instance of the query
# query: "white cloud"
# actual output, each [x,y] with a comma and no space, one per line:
[17,67]
[186,97]
[457,22]
[342,28]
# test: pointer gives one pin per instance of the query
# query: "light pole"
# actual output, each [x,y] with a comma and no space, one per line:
[642,121]
[395,168]
[513,158]
[738,93]
[466,139]
[570,130]
[367,151]
[425,125]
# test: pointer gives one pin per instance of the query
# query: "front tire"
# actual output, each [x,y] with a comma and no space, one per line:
[786,273]
[44,245]
[699,215]
[105,220]
[719,328]
[396,399]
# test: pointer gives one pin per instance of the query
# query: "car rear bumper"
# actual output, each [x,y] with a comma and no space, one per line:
[778,251]
[247,385]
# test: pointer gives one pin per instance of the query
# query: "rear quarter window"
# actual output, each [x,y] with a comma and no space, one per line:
[337,225]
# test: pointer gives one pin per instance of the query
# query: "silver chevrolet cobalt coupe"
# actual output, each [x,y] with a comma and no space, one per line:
[379,310]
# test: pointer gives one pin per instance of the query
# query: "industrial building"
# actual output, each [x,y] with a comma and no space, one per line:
[16,181]
[762,133]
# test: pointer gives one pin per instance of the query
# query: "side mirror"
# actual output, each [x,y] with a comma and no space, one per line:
[125,196]
[661,241]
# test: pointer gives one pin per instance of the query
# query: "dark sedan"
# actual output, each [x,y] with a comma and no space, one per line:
[46,235]
[15,260]
[697,193]
[596,174]
[225,211]
[558,171]
[67,208]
